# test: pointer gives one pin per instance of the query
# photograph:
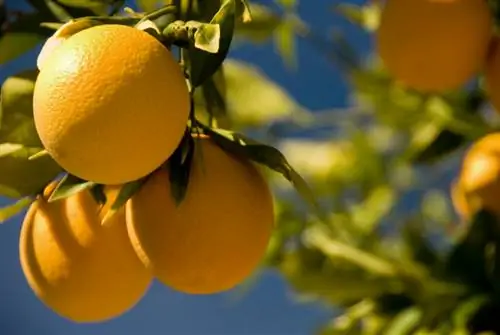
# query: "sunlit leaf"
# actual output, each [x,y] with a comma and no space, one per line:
[207,38]
[262,26]
[405,322]
[252,98]
[9,211]
[69,185]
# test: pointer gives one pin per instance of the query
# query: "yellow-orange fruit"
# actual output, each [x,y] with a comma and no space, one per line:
[478,184]
[82,270]
[492,74]
[217,236]
[434,45]
[110,104]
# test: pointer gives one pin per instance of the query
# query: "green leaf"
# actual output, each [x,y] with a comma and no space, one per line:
[126,192]
[99,7]
[418,246]
[179,168]
[7,149]
[445,143]
[17,128]
[253,99]
[98,193]
[265,155]
[463,313]
[148,5]
[69,185]
[246,11]
[203,64]
[262,26]
[405,323]
[13,45]
[423,135]
[9,211]
[467,260]
[284,42]
[207,38]
[367,16]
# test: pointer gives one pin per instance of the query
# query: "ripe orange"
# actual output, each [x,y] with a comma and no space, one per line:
[110,104]
[478,184]
[492,74]
[80,269]
[217,236]
[434,45]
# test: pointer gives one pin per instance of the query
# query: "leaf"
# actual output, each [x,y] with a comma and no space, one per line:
[466,261]
[69,185]
[405,323]
[246,12]
[367,16]
[423,135]
[463,312]
[253,99]
[207,38]
[148,5]
[179,168]
[126,192]
[7,149]
[265,155]
[17,171]
[418,246]
[203,64]
[9,211]
[98,193]
[262,26]
[284,41]
[13,45]
[99,7]
[445,143]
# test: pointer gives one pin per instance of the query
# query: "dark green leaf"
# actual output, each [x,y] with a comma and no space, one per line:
[466,262]
[98,194]
[68,186]
[98,7]
[148,5]
[203,64]
[213,91]
[463,312]
[419,247]
[266,155]
[59,11]
[126,192]
[9,211]
[446,142]
[179,168]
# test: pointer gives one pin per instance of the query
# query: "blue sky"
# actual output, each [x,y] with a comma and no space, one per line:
[268,308]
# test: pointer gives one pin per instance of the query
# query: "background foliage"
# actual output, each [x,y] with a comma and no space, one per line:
[390,267]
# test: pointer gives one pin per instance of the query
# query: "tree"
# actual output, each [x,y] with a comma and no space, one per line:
[348,240]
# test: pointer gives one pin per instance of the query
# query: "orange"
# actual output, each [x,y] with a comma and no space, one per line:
[82,270]
[217,236]
[478,184]
[434,45]
[492,74]
[110,104]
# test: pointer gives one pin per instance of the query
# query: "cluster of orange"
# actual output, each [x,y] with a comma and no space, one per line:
[110,106]
[434,46]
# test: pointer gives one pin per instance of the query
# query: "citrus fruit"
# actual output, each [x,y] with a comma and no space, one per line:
[478,184]
[217,235]
[434,45]
[110,104]
[492,74]
[82,270]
